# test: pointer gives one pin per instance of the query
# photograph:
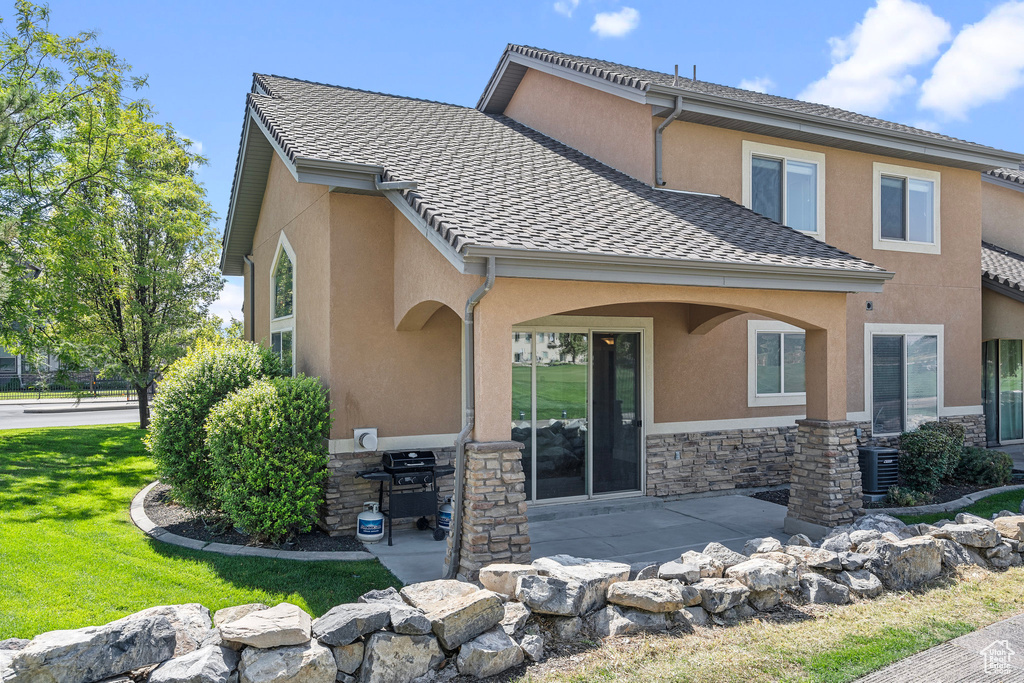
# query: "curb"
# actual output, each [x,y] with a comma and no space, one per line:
[81,408]
[148,527]
[945,507]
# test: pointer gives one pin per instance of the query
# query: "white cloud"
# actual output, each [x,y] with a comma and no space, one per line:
[566,7]
[870,65]
[615,24]
[759,84]
[984,63]
[229,304]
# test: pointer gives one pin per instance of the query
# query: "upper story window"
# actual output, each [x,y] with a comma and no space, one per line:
[776,362]
[282,305]
[786,185]
[906,209]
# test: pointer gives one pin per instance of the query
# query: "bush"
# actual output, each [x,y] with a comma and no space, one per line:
[270,456]
[957,433]
[923,459]
[906,498]
[188,390]
[984,467]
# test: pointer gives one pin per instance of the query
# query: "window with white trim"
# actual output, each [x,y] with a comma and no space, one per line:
[786,185]
[776,359]
[282,305]
[906,209]
[903,376]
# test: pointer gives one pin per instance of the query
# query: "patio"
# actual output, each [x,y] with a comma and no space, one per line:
[626,530]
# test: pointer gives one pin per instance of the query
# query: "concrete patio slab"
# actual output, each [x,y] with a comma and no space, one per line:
[629,530]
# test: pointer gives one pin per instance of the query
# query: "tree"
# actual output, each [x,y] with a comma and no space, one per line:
[573,344]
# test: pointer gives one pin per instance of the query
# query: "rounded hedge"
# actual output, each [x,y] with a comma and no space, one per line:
[189,389]
[923,457]
[269,451]
[984,467]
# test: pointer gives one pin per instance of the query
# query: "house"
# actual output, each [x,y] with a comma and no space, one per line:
[607,281]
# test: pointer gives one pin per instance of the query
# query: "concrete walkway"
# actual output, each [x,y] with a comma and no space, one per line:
[626,530]
[994,653]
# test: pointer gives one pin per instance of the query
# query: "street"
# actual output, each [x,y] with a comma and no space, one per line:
[13,416]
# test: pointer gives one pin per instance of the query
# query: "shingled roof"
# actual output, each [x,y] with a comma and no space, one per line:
[1002,267]
[488,181]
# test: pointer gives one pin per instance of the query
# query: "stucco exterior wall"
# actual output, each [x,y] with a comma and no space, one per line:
[1001,316]
[1002,217]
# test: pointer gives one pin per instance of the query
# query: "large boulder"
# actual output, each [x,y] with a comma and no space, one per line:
[638,571]
[974,535]
[551,595]
[229,614]
[284,624]
[723,555]
[515,617]
[880,522]
[954,555]
[838,543]
[489,654]
[464,618]
[710,568]
[343,624]
[388,594]
[818,590]
[853,561]
[595,575]
[430,594]
[562,629]
[1010,526]
[210,664]
[616,621]
[98,652]
[815,558]
[653,595]
[348,658]
[861,582]
[903,564]
[408,621]
[687,572]
[859,536]
[767,544]
[309,662]
[392,657]
[968,518]
[763,575]
[718,595]
[501,578]
[762,601]
[533,646]
[781,558]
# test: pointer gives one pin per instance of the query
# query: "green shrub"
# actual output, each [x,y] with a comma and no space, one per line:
[269,453]
[188,390]
[957,433]
[923,455]
[905,498]
[984,467]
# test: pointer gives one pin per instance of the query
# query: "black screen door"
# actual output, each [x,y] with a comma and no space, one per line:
[616,412]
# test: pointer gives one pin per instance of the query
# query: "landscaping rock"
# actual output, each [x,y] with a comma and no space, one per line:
[309,662]
[640,571]
[515,617]
[533,647]
[464,618]
[859,536]
[98,652]
[799,539]
[861,582]
[284,624]
[349,657]
[652,595]
[718,595]
[690,617]
[920,529]
[229,614]
[594,575]
[815,558]
[616,621]
[723,555]
[686,572]
[761,545]
[840,543]
[763,575]
[1021,510]
[818,590]
[710,568]
[408,621]
[551,595]
[1010,527]
[1000,551]
[392,657]
[904,564]
[734,614]
[972,534]
[389,594]
[968,518]
[489,654]
[501,578]
[781,558]
[879,522]
[762,601]
[563,629]
[953,554]
[210,664]
[343,624]
[429,594]
[853,561]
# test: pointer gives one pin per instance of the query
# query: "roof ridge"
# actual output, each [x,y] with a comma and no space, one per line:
[360,90]
[1002,250]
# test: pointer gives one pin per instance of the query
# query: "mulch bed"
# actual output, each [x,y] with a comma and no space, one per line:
[183,522]
[943,495]
[779,496]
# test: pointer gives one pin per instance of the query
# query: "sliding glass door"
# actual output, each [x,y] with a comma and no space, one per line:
[1003,390]
[616,401]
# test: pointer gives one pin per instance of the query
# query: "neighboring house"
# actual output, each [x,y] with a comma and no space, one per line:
[640,219]
[16,370]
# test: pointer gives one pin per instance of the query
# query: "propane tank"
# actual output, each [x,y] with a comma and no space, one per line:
[370,527]
[444,515]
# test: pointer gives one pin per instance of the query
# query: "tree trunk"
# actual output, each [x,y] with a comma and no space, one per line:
[143,394]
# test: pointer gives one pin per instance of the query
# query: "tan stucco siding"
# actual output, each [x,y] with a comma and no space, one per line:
[1002,317]
[1002,216]
[608,128]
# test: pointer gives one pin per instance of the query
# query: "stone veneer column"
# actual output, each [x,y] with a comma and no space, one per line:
[494,524]
[825,485]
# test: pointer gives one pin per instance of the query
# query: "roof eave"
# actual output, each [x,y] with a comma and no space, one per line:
[1003,182]
[993,282]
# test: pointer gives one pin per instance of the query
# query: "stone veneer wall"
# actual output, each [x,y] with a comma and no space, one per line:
[825,485]
[974,424]
[346,492]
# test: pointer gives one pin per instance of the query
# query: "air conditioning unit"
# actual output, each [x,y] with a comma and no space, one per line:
[879,470]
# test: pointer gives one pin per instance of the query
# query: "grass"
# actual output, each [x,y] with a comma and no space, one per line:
[986,507]
[71,557]
[559,388]
[829,645]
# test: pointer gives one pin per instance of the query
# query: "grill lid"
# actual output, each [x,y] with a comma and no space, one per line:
[408,461]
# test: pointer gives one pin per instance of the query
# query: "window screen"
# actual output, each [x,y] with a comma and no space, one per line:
[887,384]
[766,187]
[894,212]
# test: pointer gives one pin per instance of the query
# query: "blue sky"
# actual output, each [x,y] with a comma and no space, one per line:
[954,67]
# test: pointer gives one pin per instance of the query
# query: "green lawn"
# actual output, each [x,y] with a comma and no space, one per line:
[70,556]
[986,507]
[559,388]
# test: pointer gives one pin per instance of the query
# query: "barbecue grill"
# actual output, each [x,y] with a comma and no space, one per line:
[411,478]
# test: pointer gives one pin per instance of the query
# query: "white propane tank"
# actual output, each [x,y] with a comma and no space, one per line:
[444,515]
[370,527]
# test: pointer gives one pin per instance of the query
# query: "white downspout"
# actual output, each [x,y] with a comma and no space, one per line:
[658,179]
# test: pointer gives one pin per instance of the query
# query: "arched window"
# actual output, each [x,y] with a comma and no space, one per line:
[282,305]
